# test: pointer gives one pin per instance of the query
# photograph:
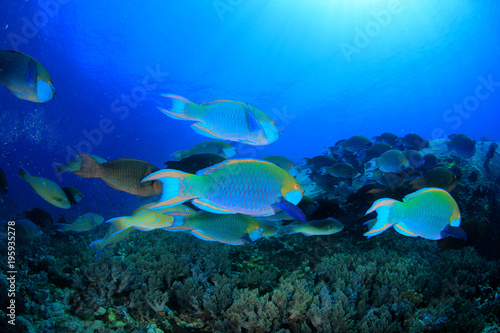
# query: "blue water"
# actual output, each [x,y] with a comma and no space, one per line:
[324,70]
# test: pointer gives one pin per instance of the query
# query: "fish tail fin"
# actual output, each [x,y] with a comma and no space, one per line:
[118,224]
[172,193]
[62,227]
[176,107]
[22,173]
[90,167]
[178,155]
[290,229]
[60,168]
[383,220]
[371,164]
[99,246]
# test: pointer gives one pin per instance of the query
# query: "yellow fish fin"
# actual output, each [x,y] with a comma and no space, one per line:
[199,235]
[209,206]
[205,131]
[173,193]
[402,228]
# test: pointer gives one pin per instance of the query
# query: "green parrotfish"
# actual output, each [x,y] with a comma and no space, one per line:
[245,186]
[226,120]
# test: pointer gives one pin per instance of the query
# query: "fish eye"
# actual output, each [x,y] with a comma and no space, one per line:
[49,82]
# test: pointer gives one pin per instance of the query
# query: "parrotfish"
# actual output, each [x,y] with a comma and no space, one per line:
[430,213]
[26,229]
[86,222]
[110,240]
[47,189]
[25,77]
[75,164]
[146,219]
[220,148]
[245,186]
[122,174]
[234,229]
[193,164]
[226,120]
[390,161]
[280,161]
[328,226]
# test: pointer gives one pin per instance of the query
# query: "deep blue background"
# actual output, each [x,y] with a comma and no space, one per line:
[283,57]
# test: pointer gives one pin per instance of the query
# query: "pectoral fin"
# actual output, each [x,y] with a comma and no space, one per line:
[291,209]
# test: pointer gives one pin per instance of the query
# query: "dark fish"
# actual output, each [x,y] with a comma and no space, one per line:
[340,170]
[26,229]
[461,145]
[317,162]
[40,217]
[430,161]
[413,141]
[74,195]
[354,143]
[326,182]
[25,77]
[4,187]
[122,174]
[194,163]
[308,205]
[388,138]
[438,177]
[373,152]
[280,161]
[416,158]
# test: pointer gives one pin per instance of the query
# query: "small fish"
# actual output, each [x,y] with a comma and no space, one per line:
[390,161]
[389,179]
[354,143]
[25,77]
[328,226]
[430,213]
[416,159]
[145,219]
[430,162]
[193,164]
[317,162]
[122,174]
[440,177]
[245,186]
[388,138]
[220,148]
[110,240]
[461,145]
[326,182]
[26,229]
[413,141]
[75,164]
[226,120]
[86,222]
[280,161]
[234,229]
[47,189]
[373,152]
[340,170]
[74,195]
[4,186]
[40,217]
